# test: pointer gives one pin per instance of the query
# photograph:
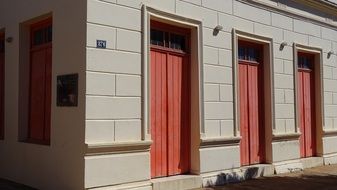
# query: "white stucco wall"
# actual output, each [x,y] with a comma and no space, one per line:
[119,22]
[60,165]
[110,86]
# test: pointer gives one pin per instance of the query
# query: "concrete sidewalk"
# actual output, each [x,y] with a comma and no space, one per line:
[321,178]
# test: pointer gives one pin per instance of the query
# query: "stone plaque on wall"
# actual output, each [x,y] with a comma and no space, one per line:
[67,90]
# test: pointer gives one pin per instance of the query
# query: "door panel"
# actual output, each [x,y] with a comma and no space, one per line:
[307,112]
[48,95]
[186,116]
[250,91]
[244,119]
[174,108]
[2,85]
[170,125]
[37,94]
[253,114]
[302,115]
[40,94]
[158,114]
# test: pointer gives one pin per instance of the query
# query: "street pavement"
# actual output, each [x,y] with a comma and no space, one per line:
[321,178]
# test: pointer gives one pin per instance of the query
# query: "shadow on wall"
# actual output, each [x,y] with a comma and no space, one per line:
[235,176]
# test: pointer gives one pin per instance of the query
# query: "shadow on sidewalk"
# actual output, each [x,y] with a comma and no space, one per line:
[9,185]
[301,182]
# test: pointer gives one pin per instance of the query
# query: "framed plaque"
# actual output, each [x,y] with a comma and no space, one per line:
[67,90]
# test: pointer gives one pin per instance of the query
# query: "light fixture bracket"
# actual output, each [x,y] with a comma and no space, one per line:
[217,29]
[330,53]
[9,39]
[282,45]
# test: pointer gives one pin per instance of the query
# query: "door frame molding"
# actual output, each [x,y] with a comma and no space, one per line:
[196,55]
[319,92]
[268,85]
[3,86]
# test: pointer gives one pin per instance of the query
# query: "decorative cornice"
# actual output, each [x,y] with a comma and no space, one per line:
[118,147]
[329,2]
[318,5]
[324,6]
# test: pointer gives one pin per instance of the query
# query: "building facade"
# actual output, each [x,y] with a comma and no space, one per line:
[175,94]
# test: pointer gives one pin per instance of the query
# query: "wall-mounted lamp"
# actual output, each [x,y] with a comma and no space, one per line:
[217,29]
[330,53]
[9,39]
[282,45]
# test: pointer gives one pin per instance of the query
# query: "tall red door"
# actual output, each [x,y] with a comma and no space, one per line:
[2,84]
[251,104]
[170,112]
[306,93]
[40,94]
[40,83]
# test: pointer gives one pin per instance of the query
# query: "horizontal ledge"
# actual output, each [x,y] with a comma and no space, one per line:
[219,141]
[118,147]
[286,136]
[329,155]
[329,132]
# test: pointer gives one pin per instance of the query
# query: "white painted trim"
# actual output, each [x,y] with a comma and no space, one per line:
[237,34]
[147,14]
[236,118]
[316,51]
[197,104]
[295,88]
[145,75]
[255,38]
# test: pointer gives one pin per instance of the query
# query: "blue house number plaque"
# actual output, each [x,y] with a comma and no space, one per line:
[101,44]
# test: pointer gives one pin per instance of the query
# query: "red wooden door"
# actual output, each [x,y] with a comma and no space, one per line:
[170,112]
[2,84]
[40,83]
[40,94]
[306,92]
[251,106]
[170,101]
